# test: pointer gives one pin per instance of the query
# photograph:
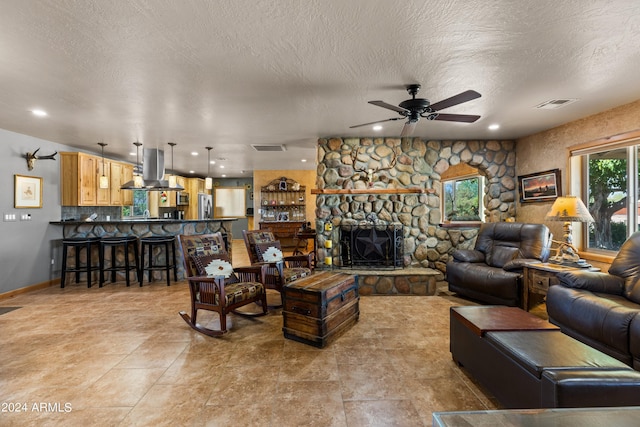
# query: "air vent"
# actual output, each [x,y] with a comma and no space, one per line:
[269,147]
[554,104]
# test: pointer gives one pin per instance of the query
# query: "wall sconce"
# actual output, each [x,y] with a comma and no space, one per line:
[138,182]
[104,179]
[208,182]
[173,180]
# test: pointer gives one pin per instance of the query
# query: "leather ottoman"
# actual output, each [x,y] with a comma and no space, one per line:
[526,362]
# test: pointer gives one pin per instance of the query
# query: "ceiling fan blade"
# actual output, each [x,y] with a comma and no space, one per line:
[408,128]
[373,123]
[455,100]
[466,118]
[388,106]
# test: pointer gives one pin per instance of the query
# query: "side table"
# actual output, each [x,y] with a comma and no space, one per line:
[539,276]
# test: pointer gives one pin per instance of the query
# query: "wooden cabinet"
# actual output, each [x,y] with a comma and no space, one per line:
[538,277]
[103,195]
[283,199]
[120,173]
[284,231]
[127,175]
[193,186]
[80,177]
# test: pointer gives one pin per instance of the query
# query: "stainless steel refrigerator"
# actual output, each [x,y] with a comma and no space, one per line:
[205,206]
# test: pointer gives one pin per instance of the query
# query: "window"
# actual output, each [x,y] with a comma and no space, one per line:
[463,198]
[229,202]
[609,187]
[140,204]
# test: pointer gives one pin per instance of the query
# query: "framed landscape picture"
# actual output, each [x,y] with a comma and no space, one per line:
[27,192]
[540,187]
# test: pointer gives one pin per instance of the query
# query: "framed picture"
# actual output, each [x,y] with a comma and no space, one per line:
[27,192]
[540,187]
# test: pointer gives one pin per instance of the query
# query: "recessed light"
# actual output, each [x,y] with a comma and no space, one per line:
[494,126]
[304,160]
[133,153]
[192,171]
[39,113]
[213,162]
[224,176]
[377,127]
[194,153]
[221,166]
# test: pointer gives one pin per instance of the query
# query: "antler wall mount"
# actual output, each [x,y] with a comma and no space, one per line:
[368,173]
[32,157]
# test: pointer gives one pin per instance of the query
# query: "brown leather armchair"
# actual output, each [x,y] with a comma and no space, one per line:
[601,309]
[492,271]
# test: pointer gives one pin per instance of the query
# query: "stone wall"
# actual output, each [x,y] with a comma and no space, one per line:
[419,165]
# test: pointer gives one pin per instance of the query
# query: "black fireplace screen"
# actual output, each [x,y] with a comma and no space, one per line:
[371,245]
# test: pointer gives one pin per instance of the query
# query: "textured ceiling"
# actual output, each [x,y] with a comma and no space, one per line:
[234,73]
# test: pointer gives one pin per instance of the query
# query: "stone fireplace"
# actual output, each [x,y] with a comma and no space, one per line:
[370,245]
[406,191]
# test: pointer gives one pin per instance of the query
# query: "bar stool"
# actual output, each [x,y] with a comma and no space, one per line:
[78,244]
[149,244]
[124,243]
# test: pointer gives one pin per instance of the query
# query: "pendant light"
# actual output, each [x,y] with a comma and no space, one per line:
[104,179]
[208,182]
[173,181]
[138,182]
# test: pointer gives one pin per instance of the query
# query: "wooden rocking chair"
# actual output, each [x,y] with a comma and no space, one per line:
[291,267]
[243,286]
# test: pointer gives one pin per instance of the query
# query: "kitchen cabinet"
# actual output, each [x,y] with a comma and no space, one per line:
[80,178]
[127,175]
[103,195]
[194,186]
[120,173]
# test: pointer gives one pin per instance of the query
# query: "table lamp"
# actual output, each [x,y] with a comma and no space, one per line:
[568,209]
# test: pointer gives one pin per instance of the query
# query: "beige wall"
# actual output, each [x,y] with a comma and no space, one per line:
[303,177]
[549,150]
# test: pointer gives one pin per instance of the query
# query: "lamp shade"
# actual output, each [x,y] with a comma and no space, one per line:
[208,183]
[569,209]
[104,182]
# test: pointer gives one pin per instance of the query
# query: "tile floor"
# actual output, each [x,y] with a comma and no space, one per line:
[121,356]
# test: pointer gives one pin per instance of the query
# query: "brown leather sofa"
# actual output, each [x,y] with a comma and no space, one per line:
[492,271]
[601,309]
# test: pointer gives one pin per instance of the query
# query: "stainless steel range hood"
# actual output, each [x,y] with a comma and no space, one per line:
[152,173]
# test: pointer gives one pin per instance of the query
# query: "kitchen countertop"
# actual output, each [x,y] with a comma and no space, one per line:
[140,221]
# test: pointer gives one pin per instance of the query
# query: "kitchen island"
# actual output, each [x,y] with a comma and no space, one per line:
[149,227]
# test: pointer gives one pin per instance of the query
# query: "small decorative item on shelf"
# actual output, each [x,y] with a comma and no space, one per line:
[296,187]
[283,184]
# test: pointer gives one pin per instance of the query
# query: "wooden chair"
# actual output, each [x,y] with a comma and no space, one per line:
[245,285]
[279,273]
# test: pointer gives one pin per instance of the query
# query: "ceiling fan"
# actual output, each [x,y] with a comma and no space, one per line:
[415,108]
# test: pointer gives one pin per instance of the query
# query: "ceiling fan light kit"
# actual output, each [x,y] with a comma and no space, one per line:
[416,108]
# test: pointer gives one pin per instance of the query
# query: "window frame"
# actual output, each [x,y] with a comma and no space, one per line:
[579,183]
[481,194]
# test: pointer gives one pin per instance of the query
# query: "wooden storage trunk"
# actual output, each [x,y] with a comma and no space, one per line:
[318,308]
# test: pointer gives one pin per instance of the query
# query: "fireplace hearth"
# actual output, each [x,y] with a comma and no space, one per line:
[372,245]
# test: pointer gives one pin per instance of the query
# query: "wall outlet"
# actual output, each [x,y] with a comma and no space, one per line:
[53,261]
[8,217]
[25,217]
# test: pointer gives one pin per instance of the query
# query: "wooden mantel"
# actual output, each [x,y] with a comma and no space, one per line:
[371,190]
